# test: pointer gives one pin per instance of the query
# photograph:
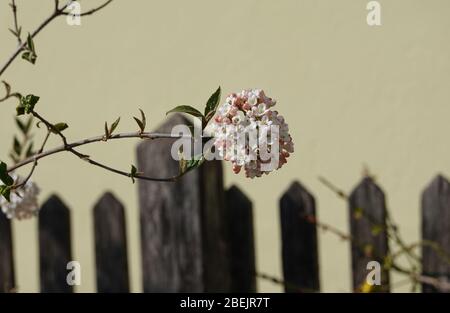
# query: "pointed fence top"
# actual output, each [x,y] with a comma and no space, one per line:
[438,184]
[234,192]
[299,195]
[367,187]
[109,203]
[53,204]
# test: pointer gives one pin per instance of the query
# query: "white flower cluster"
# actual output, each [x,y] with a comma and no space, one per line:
[23,202]
[250,134]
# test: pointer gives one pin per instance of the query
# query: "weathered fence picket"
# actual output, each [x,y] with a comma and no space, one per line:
[239,221]
[367,218]
[183,239]
[299,240]
[55,248]
[197,237]
[111,254]
[7,279]
[436,231]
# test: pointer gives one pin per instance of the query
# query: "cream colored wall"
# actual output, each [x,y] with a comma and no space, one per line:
[353,95]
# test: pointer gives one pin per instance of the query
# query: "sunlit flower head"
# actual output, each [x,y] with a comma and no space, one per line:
[245,113]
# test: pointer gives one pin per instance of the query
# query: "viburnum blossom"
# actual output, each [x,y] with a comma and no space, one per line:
[23,202]
[246,130]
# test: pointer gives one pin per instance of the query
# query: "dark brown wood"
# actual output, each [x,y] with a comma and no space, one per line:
[436,230]
[216,254]
[367,208]
[7,280]
[110,245]
[299,240]
[239,220]
[183,237]
[55,250]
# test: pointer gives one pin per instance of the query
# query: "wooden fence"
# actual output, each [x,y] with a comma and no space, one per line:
[198,237]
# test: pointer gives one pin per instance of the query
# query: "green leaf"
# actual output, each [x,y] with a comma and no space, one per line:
[194,163]
[114,126]
[31,100]
[26,56]
[377,229]
[213,102]
[17,146]
[188,165]
[141,122]
[20,110]
[133,173]
[143,118]
[358,213]
[188,110]
[30,43]
[29,56]
[30,52]
[27,104]
[4,176]
[5,191]
[209,116]
[106,130]
[59,127]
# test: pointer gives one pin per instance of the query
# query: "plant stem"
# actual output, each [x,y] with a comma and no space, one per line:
[70,148]
[35,162]
[57,12]
[92,11]
[16,24]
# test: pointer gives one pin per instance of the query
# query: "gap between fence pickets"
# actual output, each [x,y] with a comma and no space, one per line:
[56,251]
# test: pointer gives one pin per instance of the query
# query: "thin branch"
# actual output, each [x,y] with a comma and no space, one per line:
[50,126]
[57,12]
[390,228]
[279,281]
[340,193]
[441,285]
[16,24]
[92,11]
[69,147]
[119,172]
[327,227]
[393,233]
[145,135]
[86,158]
[22,46]
[35,162]
[436,247]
